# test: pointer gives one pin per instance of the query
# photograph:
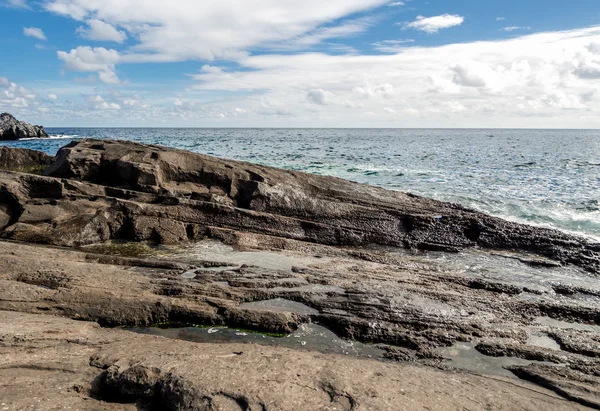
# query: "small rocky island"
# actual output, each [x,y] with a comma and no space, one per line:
[429,305]
[13,129]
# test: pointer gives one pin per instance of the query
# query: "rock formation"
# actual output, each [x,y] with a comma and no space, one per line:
[20,159]
[101,190]
[354,257]
[13,129]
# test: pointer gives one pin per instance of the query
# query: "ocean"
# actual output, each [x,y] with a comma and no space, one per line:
[548,178]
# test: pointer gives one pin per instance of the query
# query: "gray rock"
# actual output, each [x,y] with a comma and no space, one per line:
[13,129]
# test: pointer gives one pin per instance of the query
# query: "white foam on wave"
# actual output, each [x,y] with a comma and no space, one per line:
[51,137]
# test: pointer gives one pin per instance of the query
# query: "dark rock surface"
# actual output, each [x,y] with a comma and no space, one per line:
[23,160]
[13,129]
[570,384]
[100,190]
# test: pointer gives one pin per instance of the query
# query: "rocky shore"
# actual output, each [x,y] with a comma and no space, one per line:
[117,234]
[13,129]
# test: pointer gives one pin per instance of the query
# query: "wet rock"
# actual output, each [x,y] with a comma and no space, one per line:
[520,351]
[570,384]
[120,370]
[13,129]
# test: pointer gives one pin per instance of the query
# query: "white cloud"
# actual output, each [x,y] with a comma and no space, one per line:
[436,23]
[500,18]
[510,82]
[545,72]
[95,99]
[515,28]
[101,31]
[391,46]
[52,96]
[344,30]
[108,106]
[96,59]
[15,97]
[464,75]
[319,96]
[396,4]
[214,29]
[34,32]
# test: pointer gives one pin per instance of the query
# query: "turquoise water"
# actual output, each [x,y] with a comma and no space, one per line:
[542,177]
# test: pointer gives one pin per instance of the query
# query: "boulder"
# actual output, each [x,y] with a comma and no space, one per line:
[20,159]
[13,129]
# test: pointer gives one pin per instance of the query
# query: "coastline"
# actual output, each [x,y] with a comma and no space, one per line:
[348,245]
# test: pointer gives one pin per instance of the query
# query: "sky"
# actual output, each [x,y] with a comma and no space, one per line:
[309,63]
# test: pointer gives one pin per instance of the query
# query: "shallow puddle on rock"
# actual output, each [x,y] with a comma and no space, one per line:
[464,356]
[505,268]
[311,337]
[280,305]
[216,251]
[311,288]
[542,340]
[565,325]
[200,252]
[189,275]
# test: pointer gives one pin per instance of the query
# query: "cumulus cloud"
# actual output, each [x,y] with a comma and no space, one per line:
[545,73]
[510,82]
[96,59]
[396,3]
[34,32]
[52,96]
[434,24]
[14,96]
[101,31]
[319,96]
[464,75]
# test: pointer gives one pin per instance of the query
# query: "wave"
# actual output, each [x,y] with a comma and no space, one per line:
[51,137]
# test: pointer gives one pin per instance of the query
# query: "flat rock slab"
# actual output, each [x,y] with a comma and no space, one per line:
[85,367]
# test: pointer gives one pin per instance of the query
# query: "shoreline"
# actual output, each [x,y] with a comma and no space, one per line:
[335,247]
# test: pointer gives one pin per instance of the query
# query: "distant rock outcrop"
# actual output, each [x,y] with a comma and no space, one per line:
[13,129]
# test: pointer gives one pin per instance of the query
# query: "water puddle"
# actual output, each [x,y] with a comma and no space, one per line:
[189,275]
[310,337]
[280,305]
[464,356]
[565,325]
[202,252]
[543,341]
[216,251]
[311,288]
[508,268]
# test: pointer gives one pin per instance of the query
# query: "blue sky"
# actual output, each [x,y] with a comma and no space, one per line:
[277,63]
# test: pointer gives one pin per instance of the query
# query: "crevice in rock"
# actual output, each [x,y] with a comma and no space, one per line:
[473,231]
[152,390]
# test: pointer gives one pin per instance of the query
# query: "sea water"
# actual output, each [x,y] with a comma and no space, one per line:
[549,178]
